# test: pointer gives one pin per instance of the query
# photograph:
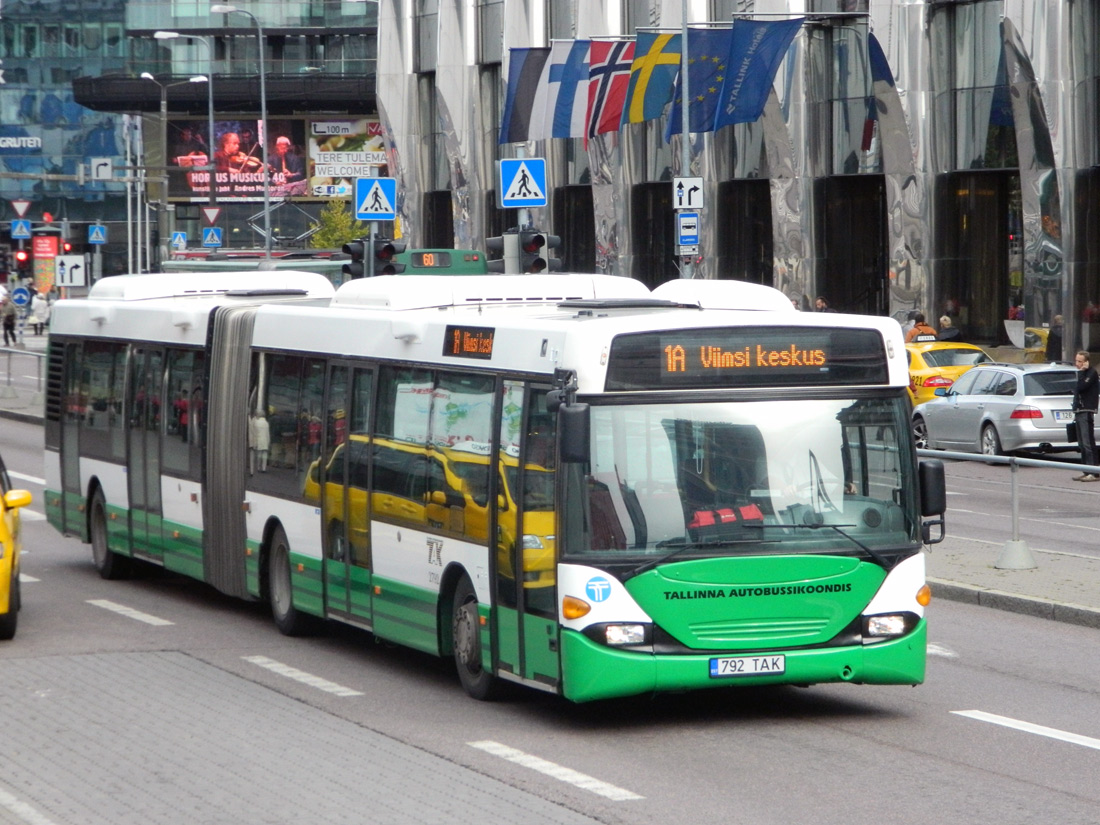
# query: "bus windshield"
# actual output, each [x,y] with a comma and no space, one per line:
[725,478]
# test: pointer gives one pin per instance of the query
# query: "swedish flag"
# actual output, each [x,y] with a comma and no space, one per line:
[656,62]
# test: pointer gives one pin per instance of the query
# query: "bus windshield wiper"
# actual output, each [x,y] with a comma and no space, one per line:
[874,554]
[688,545]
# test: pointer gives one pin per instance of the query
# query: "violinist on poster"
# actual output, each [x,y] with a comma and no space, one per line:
[230,158]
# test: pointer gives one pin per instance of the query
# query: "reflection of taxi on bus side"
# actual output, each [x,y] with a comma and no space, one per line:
[936,364]
[444,488]
[10,544]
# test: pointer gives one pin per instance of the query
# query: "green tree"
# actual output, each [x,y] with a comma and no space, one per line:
[336,226]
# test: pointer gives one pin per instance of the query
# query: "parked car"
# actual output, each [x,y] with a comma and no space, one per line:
[10,502]
[998,408]
[937,365]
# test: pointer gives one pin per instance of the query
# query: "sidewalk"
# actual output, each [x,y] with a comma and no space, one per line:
[1063,587]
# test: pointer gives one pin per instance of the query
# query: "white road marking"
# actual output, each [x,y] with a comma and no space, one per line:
[556,771]
[940,650]
[1028,727]
[23,577]
[25,477]
[128,612]
[302,676]
[26,813]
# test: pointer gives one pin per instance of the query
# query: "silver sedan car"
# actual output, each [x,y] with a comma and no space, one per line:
[998,408]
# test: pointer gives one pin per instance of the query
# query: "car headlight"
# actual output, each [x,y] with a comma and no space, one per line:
[531,542]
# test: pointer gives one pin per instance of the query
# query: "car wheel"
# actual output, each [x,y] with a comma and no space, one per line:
[10,620]
[991,442]
[920,433]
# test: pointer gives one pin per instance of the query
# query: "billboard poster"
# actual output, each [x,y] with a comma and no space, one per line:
[238,159]
[341,151]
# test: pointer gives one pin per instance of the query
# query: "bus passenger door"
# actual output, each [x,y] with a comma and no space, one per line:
[145,417]
[330,473]
[526,563]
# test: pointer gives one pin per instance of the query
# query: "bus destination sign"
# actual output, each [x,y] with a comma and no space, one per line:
[746,357]
[468,342]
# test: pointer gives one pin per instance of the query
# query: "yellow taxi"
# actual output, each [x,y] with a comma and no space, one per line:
[10,502]
[936,364]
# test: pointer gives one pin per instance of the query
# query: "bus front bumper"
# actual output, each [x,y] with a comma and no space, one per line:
[594,671]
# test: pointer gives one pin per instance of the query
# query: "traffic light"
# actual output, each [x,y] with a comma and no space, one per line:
[384,252]
[553,244]
[355,268]
[22,261]
[534,252]
[507,246]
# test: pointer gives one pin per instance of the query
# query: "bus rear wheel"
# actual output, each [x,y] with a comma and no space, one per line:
[466,633]
[109,563]
[290,620]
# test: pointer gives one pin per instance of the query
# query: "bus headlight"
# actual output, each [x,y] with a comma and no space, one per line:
[531,542]
[625,634]
[888,625]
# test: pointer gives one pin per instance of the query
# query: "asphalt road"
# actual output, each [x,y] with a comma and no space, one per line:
[157,700]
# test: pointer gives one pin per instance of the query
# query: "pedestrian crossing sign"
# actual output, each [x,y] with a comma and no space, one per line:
[97,234]
[212,236]
[375,199]
[179,240]
[522,183]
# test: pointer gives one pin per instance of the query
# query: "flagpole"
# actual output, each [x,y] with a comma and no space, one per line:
[687,268]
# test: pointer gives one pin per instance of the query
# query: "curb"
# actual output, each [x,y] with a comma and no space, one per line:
[1013,603]
[26,418]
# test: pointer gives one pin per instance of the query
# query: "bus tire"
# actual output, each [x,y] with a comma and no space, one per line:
[109,563]
[10,620]
[466,635]
[289,620]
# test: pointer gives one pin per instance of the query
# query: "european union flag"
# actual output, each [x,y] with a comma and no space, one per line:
[656,62]
[708,51]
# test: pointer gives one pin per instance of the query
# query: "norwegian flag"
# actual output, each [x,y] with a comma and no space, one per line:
[609,76]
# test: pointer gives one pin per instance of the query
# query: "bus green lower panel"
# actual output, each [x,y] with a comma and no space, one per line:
[593,671]
[55,509]
[183,549]
[406,615]
[360,599]
[252,568]
[306,587]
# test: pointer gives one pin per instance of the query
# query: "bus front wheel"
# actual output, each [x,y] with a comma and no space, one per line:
[466,633]
[109,563]
[289,619]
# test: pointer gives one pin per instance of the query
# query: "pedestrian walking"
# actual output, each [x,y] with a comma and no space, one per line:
[40,313]
[1053,351]
[920,331]
[8,315]
[948,331]
[1086,395]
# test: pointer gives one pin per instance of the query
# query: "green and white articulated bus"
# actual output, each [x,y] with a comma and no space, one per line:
[564,481]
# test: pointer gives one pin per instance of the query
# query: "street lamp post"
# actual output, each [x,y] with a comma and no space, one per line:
[162,35]
[224,9]
[163,208]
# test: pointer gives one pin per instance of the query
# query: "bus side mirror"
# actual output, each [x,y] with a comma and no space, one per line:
[573,432]
[933,498]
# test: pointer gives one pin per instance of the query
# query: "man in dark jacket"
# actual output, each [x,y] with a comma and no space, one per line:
[1054,339]
[1086,395]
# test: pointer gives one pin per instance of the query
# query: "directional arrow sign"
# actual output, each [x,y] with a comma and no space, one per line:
[687,193]
[69,270]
